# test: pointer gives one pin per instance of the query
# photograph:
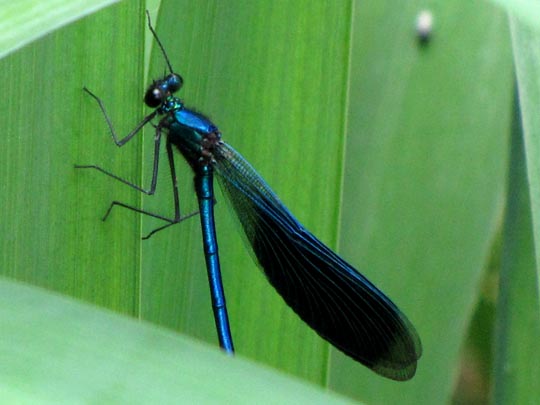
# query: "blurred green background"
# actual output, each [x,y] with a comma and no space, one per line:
[417,162]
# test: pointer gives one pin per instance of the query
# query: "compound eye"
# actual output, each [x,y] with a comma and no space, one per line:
[153,97]
[174,82]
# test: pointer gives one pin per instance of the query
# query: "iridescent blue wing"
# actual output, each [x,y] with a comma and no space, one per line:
[334,299]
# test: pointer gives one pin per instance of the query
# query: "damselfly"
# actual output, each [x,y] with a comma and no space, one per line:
[339,303]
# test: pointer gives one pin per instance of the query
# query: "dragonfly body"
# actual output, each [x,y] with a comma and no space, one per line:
[338,302]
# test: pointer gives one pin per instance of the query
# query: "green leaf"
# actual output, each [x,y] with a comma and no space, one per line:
[527,10]
[51,212]
[24,21]
[527,59]
[60,351]
[424,184]
[518,323]
[284,112]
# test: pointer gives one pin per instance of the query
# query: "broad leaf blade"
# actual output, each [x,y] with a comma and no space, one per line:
[58,350]
[425,176]
[24,21]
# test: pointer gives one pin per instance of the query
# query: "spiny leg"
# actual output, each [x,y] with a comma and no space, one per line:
[155,166]
[122,142]
[176,200]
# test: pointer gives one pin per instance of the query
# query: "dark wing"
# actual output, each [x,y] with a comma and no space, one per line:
[334,299]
